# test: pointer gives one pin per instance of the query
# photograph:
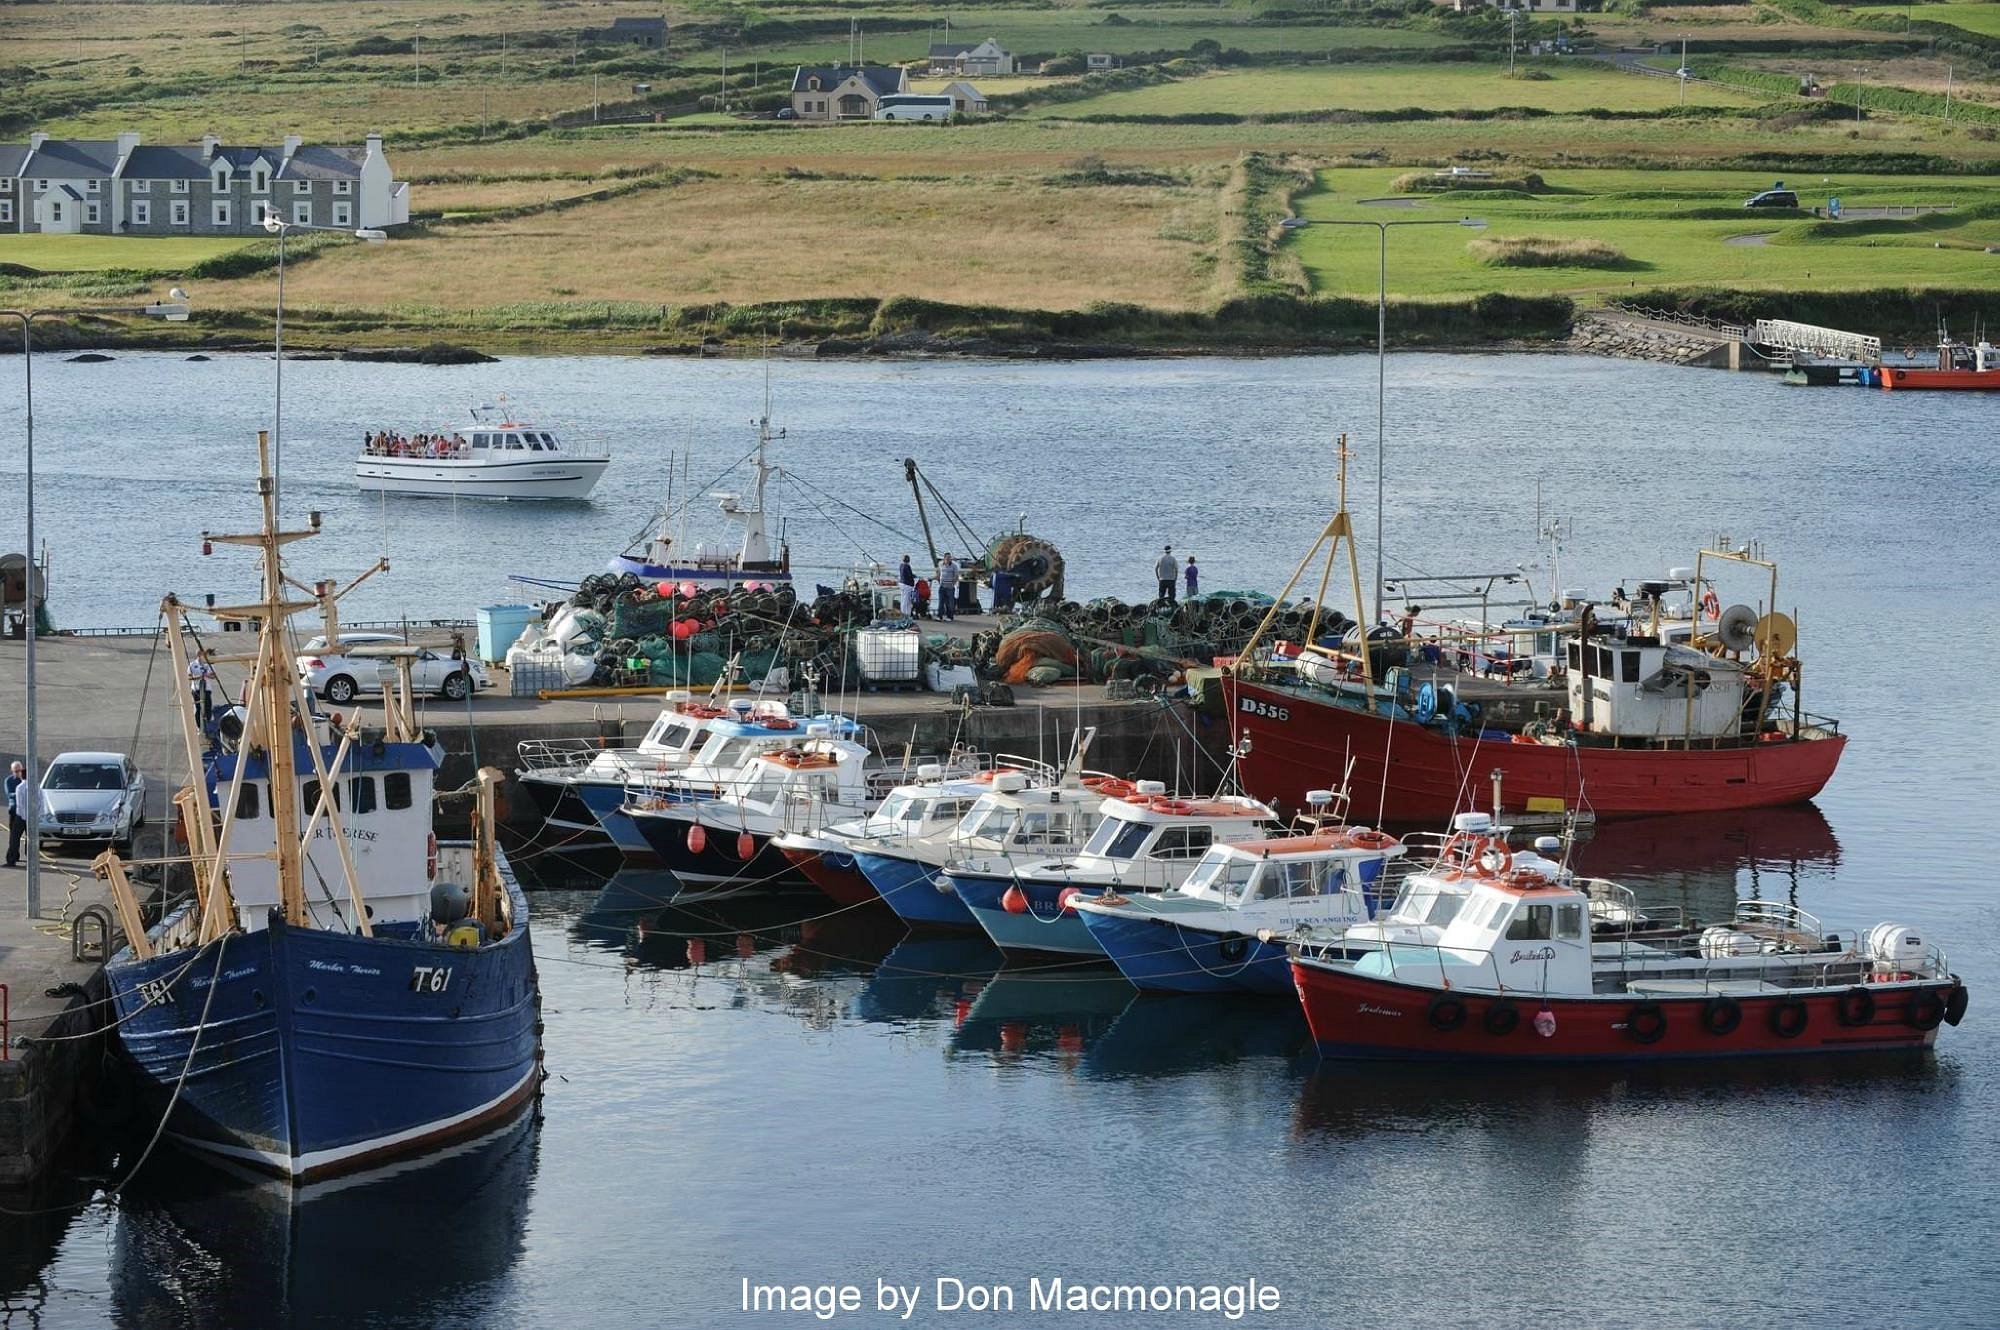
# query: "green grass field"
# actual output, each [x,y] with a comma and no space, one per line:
[1972,15]
[97,253]
[1572,86]
[1644,215]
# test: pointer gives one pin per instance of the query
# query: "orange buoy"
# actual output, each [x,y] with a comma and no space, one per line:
[697,838]
[1014,901]
[1013,1036]
[1065,896]
[746,946]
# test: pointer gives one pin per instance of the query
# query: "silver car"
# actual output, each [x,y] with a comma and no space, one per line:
[92,797]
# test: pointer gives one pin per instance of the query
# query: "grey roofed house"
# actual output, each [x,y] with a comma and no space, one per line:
[637,31]
[314,161]
[882,80]
[162,162]
[11,157]
[950,50]
[75,159]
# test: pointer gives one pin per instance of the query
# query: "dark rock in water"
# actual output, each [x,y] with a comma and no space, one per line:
[437,353]
[198,356]
[89,358]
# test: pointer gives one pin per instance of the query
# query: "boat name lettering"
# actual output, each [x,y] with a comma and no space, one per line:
[1258,707]
[1370,1009]
[332,967]
[201,981]
[1538,954]
[352,833]
[430,978]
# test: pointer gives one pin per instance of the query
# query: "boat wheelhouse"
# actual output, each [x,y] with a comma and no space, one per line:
[1146,841]
[487,459]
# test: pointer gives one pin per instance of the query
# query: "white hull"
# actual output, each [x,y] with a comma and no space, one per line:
[550,478]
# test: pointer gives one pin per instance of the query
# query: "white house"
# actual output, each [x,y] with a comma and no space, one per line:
[986,58]
[839,92]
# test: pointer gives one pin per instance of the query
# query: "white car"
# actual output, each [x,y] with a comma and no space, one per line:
[344,671]
[92,797]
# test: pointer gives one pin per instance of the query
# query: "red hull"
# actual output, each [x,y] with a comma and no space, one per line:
[1362,1016]
[845,885]
[1299,743]
[1962,380]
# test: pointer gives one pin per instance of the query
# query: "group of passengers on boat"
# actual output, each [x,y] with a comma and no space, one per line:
[387,443]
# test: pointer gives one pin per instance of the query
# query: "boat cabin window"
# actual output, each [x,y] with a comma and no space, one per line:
[479,440]
[670,733]
[1182,843]
[1628,666]
[949,810]
[1046,826]
[1224,874]
[514,443]
[246,801]
[1532,923]
[904,808]
[533,442]
[1424,904]
[1576,655]
[361,794]
[309,795]
[396,790]
[987,819]
[1569,922]
[1118,838]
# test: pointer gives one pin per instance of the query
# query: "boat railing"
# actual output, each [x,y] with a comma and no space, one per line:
[560,754]
[1780,921]
[1810,726]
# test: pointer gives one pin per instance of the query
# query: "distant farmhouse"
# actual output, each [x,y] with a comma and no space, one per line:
[965,99]
[840,92]
[123,187]
[1097,60]
[987,58]
[649,33]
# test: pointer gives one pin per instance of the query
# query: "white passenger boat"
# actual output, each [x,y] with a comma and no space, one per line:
[487,459]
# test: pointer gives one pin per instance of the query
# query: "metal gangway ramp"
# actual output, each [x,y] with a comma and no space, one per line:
[1806,339]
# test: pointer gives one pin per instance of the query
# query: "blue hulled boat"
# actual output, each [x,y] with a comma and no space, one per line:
[339,987]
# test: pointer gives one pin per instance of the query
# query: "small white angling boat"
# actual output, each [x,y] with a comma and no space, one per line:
[487,459]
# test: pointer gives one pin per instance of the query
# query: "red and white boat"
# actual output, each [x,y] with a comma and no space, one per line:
[1696,711]
[1528,967]
[1960,366]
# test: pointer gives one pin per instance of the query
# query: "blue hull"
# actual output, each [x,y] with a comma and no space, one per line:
[911,889]
[323,1053]
[661,572]
[1044,927]
[604,800]
[1160,956]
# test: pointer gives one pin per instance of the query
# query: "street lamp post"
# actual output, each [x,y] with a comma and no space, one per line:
[280,228]
[176,312]
[1382,360]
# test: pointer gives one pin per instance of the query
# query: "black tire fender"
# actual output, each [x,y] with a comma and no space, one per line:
[1855,1007]
[1646,1023]
[1447,1013]
[1502,1018]
[1721,1014]
[1926,1009]
[1789,1018]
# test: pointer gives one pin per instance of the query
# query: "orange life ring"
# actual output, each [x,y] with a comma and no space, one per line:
[780,723]
[1167,804]
[1494,845]
[1371,840]
[1711,605]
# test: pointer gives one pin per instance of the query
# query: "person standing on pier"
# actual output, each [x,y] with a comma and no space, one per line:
[1193,577]
[908,577]
[17,813]
[201,682]
[947,584]
[1168,571]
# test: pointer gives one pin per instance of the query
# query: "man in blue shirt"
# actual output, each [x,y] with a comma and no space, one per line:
[17,821]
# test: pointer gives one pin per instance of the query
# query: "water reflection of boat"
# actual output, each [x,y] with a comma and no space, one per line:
[624,899]
[1171,1034]
[1033,1012]
[1696,862]
[207,1246]
[851,942]
[925,978]
[1347,1100]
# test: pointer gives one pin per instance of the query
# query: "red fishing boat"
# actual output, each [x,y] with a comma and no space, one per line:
[1667,704]
[1526,970]
[1960,367]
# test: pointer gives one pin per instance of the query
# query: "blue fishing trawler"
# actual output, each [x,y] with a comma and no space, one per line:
[339,986]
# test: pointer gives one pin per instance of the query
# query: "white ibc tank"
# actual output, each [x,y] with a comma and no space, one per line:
[1896,944]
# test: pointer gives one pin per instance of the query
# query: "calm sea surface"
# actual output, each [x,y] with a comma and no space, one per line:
[740,1094]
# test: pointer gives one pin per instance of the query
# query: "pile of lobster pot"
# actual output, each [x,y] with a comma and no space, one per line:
[1106,640]
[620,629]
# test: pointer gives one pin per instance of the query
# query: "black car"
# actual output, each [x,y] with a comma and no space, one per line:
[1773,198]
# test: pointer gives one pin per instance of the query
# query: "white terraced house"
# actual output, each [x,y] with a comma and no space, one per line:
[124,187]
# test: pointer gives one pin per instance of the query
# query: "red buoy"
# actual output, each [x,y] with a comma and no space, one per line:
[665,589]
[697,838]
[1013,1036]
[1065,896]
[745,846]
[1545,1023]
[746,946]
[697,950]
[1014,901]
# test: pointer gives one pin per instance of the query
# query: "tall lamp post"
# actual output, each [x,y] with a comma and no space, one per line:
[281,228]
[1382,358]
[174,310]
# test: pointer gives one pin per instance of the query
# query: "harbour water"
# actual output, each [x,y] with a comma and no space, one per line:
[737,1095]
